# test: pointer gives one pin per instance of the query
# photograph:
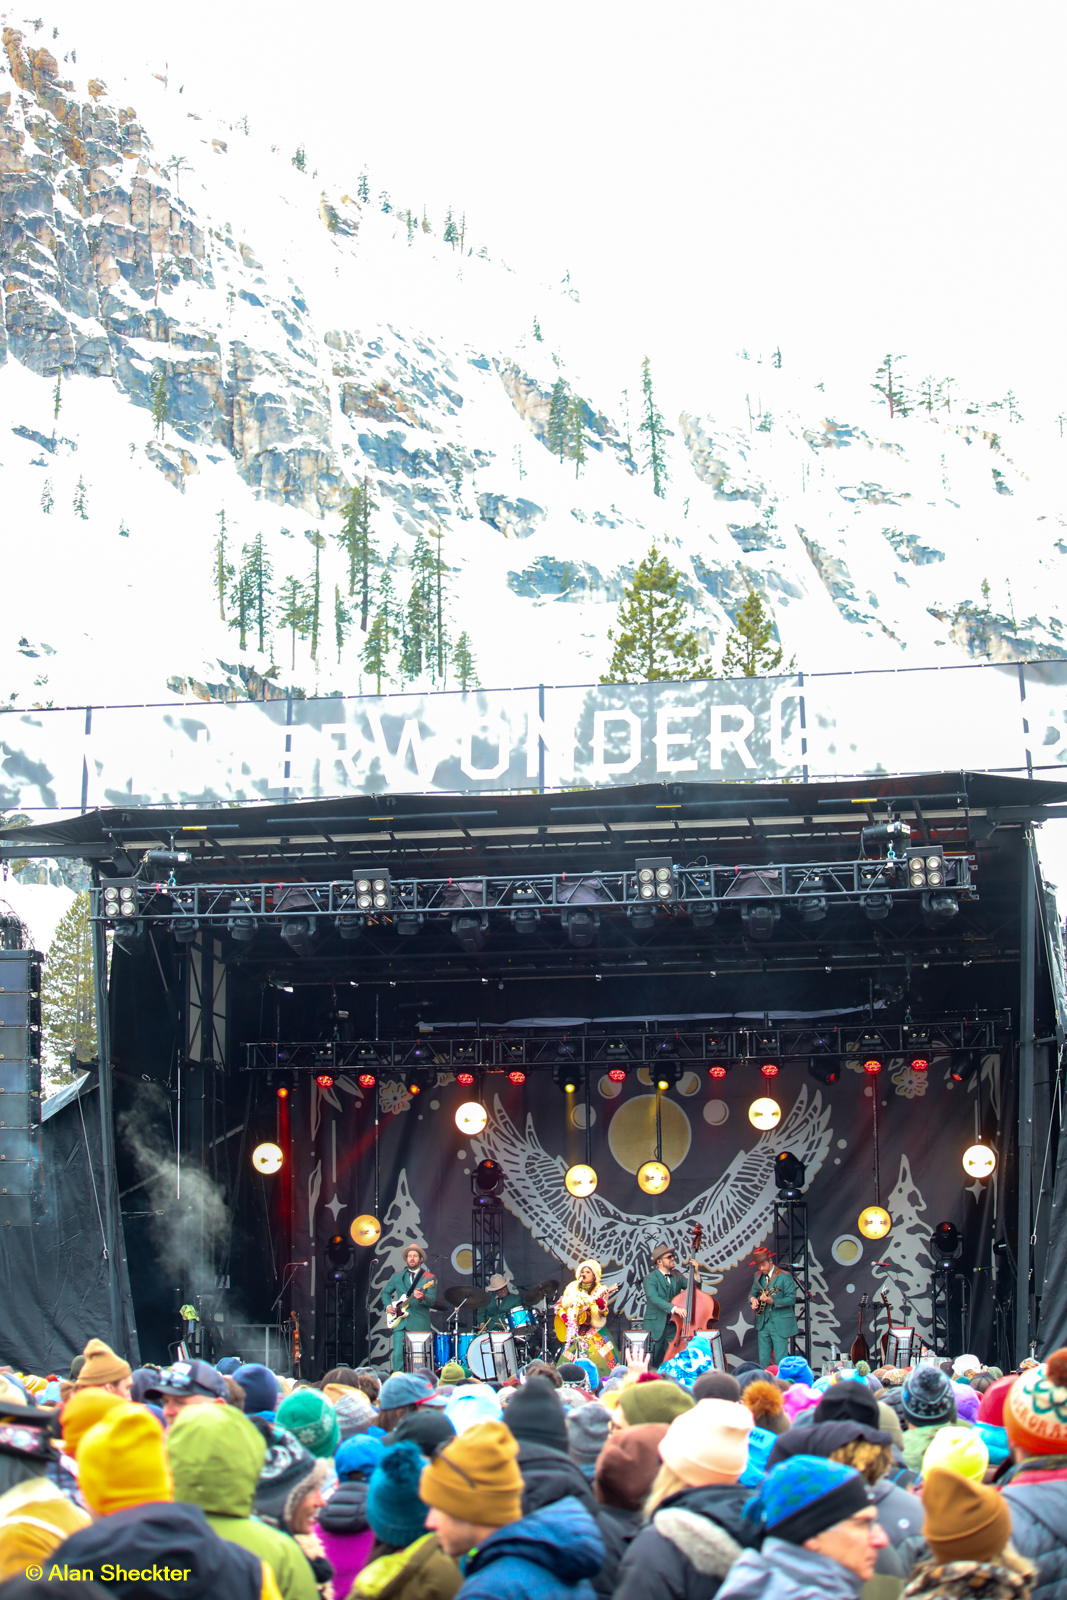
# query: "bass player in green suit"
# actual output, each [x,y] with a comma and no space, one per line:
[661,1286]
[421,1288]
[773,1298]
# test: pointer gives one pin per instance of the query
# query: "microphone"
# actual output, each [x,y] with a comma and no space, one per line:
[298,1263]
[881,1263]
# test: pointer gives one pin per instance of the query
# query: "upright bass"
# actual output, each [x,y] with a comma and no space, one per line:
[692,1311]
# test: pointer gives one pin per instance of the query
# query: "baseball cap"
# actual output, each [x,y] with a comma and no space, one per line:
[188,1377]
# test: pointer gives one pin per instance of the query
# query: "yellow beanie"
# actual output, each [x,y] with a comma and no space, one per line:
[961,1450]
[101,1365]
[122,1462]
[34,1520]
[475,1477]
[84,1409]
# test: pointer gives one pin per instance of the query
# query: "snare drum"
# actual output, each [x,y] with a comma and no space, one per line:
[520,1317]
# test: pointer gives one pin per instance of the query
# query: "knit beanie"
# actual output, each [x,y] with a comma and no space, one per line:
[426,1427]
[1035,1411]
[627,1466]
[101,1365]
[394,1509]
[797,1398]
[928,1398]
[260,1387]
[716,1386]
[354,1412]
[658,1401]
[964,1521]
[35,1520]
[453,1372]
[535,1416]
[122,1462]
[961,1450]
[75,1367]
[764,1400]
[309,1416]
[587,1432]
[795,1370]
[963,1366]
[889,1422]
[991,1405]
[84,1409]
[228,1365]
[476,1478]
[802,1497]
[467,1407]
[848,1402]
[708,1443]
[357,1457]
[751,1374]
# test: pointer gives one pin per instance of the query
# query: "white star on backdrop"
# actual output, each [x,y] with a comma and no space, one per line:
[335,1206]
[740,1328]
[977,1188]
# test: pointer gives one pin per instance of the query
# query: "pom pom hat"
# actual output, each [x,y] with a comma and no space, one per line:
[1035,1411]
[802,1497]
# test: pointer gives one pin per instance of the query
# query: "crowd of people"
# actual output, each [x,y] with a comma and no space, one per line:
[947,1480]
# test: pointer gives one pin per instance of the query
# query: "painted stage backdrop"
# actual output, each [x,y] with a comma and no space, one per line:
[721,1177]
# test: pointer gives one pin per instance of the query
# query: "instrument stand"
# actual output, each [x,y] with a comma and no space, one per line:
[487,1240]
[792,1253]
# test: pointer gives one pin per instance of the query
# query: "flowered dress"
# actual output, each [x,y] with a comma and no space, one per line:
[583,1314]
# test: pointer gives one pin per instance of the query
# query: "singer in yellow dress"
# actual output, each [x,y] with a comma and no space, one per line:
[581,1313]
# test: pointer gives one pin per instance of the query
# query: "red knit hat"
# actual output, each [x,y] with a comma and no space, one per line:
[1035,1410]
[991,1407]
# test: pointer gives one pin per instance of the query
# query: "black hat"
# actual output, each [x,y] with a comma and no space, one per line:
[848,1402]
[822,1439]
[426,1427]
[535,1416]
[188,1377]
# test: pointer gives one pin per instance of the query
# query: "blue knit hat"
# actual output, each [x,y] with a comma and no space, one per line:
[360,1454]
[260,1387]
[805,1495]
[394,1509]
[794,1369]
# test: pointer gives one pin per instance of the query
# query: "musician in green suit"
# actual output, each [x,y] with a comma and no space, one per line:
[773,1298]
[494,1319]
[422,1299]
[661,1286]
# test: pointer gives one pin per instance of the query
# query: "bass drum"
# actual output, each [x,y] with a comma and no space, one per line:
[479,1359]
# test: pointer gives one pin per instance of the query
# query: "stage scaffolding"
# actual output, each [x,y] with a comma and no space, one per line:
[791,1252]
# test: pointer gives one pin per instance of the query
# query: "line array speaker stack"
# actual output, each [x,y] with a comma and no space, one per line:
[20,1087]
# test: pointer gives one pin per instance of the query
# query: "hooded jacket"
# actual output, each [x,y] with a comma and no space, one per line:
[1037,1494]
[216,1456]
[164,1537]
[347,1536]
[551,1555]
[783,1571]
[548,1477]
[421,1572]
[690,1545]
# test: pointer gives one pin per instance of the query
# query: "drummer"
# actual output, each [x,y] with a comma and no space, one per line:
[495,1316]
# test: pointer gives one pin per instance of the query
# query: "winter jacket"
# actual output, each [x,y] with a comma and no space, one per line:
[421,1572]
[346,1534]
[161,1537]
[549,1476]
[784,1571]
[917,1440]
[216,1456]
[1036,1490]
[551,1555]
[690,1545]
[967,1580]
[996,1442]
[900,1513]
[622,1528]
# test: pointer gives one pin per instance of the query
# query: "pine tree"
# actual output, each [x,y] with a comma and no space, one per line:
[381,635]
[242,598]
[357,541]
[223,569]
[419,623]
[887,383]
[385,202]
[425,222]
[463,663]
[293,612]
[314,591]
[577,433]
[537,331]
[160,405]
[440,651]
[749,652]
[57,401]
[342,620]
[46,497]
[654,429]
[80,505]
[451,233]
[260,575]
[1014,414]
[68,997]
[927,395]
[300,159]
[944,393]
[411,225]
[556,432]
[651,640]
[363,189]
[776,359]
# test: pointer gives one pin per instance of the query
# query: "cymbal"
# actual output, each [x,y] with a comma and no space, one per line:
[540,1291]
[460,1294]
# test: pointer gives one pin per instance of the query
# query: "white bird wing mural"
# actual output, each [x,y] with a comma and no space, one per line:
[735,1212]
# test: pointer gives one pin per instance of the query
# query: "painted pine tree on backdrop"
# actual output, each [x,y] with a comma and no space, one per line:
[652,641]
[654,429]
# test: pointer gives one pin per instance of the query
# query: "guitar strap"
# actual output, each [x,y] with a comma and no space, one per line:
[415,1281]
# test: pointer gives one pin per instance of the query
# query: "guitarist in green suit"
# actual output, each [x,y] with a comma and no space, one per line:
[773,1298]
[661,1286]
[421,1291]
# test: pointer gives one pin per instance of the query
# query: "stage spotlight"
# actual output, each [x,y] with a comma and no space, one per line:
[365,1230]
[947,1240]
[824,1069]
[516,1077]
[471,1117]
[299,935]
[979,1161]
[367,1080]
[581,925]
[418,1080]
[374,891]
[282,1093]
[718,1070]
[704,917]
[813,904]
[240,924]
[580,1181]
[764,1113]
[876,907]
[790,1175]
[874,1222]
[408,923]
[655,879]
[872,1066]
[349,927]
[324,1080]
[919,1064]
[759,921]
[616,1074]
[925,867]
[958,1067]
[470,928]
[526,920]
[131,936]
[267,1158]
[339,1254]
[185,929]
[118,897]
[487,1179]
[769,1069]
[666,1072]
[654,1177]
[643,917]
[566,1075]
[465,1079]
[937,909]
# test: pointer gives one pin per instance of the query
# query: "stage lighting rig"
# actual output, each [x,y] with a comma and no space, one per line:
[185,929]
[919,1063]
[408,923]
[938,909]
[876,905]
[299,935]
[894,835]
[160,864]
[470,928]
[789,1175]
[131,936]
[824,1069]
[947,1242]
[240,924]
[926,868]
[719,1069]
[581,925]
[374,891]
[666,1072]
[566,1074]
[813,903]
[118,898]
[487,1180]
[760,914]
[655,880]
[339,1255]
[760,921]
[643,917]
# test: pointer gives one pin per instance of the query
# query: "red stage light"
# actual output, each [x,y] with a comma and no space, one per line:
[516,1077]
[465,1078]
[919,1064]
[769,1069]
[283,1094]
[413,1088]
[718,1071]
[872,1067]
[617,1075]
[324,1080]
[367,1080]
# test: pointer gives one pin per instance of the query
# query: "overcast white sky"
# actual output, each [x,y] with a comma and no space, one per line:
[841,179]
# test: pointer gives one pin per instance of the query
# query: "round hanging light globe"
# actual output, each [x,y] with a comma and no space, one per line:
[366,1230]
[979,1161]
[267,1158]
[580,1180]
[471,1117]
[765,1113]
[654,1177]
[874,1222]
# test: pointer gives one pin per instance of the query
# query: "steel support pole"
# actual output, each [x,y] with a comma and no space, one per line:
[112,1218]
[1027,964]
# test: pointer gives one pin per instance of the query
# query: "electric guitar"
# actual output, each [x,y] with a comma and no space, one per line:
[397,1312]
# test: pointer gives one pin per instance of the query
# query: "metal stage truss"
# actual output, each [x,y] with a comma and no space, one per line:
[507,1051]
[792,1255]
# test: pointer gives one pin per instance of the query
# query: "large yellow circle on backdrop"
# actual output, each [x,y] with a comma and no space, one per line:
[366,1230]
[632,1133]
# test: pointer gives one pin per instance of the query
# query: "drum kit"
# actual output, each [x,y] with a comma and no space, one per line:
[495,1355]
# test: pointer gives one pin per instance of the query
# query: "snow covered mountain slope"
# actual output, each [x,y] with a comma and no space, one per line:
[302,338]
